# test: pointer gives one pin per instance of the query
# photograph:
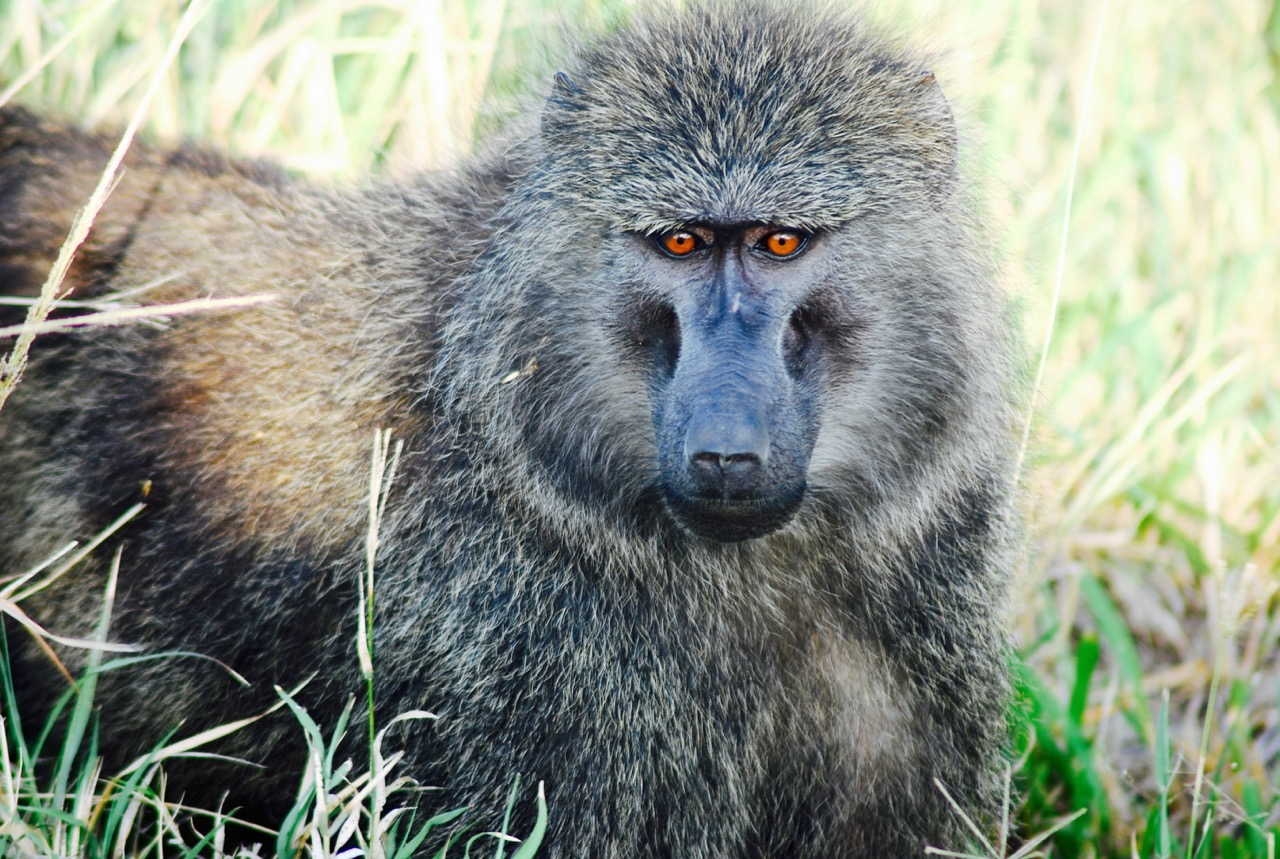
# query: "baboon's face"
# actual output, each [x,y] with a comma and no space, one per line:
[723,318]
[774,372]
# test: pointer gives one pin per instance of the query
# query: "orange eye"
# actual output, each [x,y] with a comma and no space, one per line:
[679,244]
[783,243]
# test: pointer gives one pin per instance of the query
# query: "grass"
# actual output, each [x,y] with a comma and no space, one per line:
[1146,610]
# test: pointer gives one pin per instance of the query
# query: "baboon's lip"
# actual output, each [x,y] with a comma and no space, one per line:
[731,521]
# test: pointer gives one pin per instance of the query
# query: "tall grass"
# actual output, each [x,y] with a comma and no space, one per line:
[1147,615]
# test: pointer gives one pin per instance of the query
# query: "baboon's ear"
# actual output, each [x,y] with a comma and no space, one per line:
[940,149]
[564,84]
[562,103]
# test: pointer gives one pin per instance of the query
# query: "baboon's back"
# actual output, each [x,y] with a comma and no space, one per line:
[246,433]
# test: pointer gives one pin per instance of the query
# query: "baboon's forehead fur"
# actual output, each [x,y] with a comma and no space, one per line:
[768,114]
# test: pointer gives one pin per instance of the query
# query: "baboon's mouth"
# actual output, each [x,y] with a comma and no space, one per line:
[733,521]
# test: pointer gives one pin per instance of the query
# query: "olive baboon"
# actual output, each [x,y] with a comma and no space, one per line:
[701,386]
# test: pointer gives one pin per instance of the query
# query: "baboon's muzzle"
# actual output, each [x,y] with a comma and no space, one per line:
[732,453]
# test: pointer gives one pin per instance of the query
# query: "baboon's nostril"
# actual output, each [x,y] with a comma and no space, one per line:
[727,454]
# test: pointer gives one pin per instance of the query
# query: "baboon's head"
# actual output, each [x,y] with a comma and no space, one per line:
[765,189]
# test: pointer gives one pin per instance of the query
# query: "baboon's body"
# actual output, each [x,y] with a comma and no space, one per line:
[796,694]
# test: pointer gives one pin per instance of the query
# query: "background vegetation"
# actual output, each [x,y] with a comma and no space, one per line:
[1147,615]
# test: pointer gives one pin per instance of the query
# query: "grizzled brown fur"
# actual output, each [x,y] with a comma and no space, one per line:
[722,566]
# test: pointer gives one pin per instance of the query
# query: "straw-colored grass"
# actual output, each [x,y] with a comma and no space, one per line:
[1153,472]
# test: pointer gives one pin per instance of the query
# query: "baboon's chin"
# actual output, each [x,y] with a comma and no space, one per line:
[733,521]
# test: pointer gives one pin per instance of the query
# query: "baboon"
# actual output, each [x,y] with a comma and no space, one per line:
[700,519]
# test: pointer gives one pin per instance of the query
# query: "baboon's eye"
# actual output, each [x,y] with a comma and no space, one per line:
[784,243]
[680,243]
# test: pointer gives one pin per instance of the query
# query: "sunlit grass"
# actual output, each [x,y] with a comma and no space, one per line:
[1153,479]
